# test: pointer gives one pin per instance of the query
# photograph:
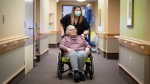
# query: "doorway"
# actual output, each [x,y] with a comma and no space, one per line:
[29,31]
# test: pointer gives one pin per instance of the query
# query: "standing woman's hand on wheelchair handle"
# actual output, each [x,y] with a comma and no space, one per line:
[83,35]
[87,50]
[70,50]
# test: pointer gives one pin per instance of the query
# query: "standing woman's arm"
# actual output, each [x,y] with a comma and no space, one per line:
[61,30]
[63,24]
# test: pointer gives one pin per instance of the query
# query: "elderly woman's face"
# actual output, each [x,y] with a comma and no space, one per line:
[72,31]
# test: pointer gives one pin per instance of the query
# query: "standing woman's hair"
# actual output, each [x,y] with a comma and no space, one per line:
[73,14]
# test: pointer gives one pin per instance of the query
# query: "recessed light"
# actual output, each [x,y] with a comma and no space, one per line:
[80,0]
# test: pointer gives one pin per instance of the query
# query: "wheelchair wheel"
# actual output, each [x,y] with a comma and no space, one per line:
[59,72]
[92,71]
[91,67]
[59,66]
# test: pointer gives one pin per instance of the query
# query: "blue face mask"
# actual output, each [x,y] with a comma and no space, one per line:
[77,13]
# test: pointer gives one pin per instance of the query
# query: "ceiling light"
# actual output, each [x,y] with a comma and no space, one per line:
[29,0]
[80,0]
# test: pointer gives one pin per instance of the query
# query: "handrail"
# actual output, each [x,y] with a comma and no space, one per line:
[135,44]
[106,35]
[12,43]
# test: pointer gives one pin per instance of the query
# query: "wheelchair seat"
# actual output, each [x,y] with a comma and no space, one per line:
[66,60]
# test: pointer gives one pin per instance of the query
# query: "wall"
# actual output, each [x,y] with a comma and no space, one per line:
[137,64]
[16,25]
[139,21]
[11,62]
[147,21]
[109,25]
[42,17]
[38,13]
[53,17]
[53,10]
[102,26]
[96,12]
[110,15]
[112,45]
[105,16]
[114,16]
[101,20]
[102,44]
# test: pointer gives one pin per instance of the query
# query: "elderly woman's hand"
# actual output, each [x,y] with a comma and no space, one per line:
[70,50]
[87,51]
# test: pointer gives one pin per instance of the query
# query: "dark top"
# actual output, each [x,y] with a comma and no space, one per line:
[66,21]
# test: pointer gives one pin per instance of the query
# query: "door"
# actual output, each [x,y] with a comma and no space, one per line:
[29,31]
[66,9]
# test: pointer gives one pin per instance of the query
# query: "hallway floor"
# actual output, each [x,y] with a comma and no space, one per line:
[106,71]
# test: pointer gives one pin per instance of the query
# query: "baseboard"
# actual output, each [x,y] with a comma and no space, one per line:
[16,79]
[102,53]
[109,55]
[54,45]
[127,76]
[112,55]
[41,56]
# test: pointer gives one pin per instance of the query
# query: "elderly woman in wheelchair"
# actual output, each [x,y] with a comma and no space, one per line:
[75,49]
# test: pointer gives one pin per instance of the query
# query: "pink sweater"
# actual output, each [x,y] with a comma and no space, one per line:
[76,43]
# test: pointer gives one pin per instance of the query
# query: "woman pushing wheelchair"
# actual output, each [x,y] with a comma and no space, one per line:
[76,49]
[75,18]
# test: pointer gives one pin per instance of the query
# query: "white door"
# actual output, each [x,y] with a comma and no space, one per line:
[29,31]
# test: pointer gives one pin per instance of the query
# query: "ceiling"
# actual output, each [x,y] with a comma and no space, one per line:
[75,0]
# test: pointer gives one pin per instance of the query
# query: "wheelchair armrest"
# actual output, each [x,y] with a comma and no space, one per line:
[62,52]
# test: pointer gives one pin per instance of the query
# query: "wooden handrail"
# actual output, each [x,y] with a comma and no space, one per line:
[135,44]
[140,42]
[106,35]
[12,43]
[42,35]
[4,41]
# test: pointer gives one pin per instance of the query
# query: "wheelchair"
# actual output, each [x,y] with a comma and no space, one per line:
[88,68]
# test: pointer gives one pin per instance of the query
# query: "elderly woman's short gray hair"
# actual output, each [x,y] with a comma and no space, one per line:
[68,29]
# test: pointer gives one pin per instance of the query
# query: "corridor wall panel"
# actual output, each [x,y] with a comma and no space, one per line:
[13,13]
[12,18]
[109,20]
[10,63]
[134,53]
[139,20]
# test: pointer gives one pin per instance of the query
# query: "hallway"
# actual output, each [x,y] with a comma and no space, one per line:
[106,72]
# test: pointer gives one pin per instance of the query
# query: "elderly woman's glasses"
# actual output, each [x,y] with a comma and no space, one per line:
[72,29]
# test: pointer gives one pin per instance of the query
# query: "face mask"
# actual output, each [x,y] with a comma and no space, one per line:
[77,13]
